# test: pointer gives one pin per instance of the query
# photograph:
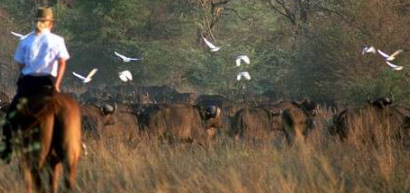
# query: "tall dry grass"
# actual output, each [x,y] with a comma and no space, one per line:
[321,163]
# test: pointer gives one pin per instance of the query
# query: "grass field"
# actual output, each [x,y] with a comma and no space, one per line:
[319,164]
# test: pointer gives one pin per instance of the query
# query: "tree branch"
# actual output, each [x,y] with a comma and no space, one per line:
[286,12]
[236,13]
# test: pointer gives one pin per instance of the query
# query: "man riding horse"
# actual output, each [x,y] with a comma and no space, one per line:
[42,57]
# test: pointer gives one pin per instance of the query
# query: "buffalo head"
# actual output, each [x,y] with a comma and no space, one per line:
[212,112]
[381,102]
[308,106]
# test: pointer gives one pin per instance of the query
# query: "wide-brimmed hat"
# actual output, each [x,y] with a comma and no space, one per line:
[44,14]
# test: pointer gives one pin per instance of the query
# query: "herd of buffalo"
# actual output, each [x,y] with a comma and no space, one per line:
[163,113]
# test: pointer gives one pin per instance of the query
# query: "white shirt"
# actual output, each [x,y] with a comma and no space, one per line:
[40,53]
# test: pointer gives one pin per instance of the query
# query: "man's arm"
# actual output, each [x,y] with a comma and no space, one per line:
[60,73]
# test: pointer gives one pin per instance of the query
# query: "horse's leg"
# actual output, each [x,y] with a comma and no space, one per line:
[31,175]
[72,143]
[68,122]
[55,174]
[70,175]
[28,177]
[36,174]
[47,127]
[72,156]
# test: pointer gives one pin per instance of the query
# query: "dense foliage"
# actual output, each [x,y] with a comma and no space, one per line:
[297,48]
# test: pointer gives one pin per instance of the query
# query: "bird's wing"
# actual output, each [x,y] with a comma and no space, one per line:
[238,62]
[364,50]
[238,77]
[215,49]
[395,67]
[129,75]
[17,34]
[383,54]
[396,53]
[247,75]
[134,58]
[79,76]
[91,74]
[125,75]
[371,50]
[209,44]
[119,55]
[123,78]
[246,59]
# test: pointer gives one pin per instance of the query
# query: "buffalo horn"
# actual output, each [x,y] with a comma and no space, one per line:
[218,112]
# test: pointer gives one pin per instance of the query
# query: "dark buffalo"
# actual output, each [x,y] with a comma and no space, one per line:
[177,98]
[378,118]
[124,121]
[212,100]
[231,109]
[271,94]
[180,122]
[298,118]
[145,94]
[156,90]
[290,117]
[254,123]
[109,118]
[94,95]
[95,118]
[130,94]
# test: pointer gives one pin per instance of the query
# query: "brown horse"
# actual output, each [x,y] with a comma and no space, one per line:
[48,138]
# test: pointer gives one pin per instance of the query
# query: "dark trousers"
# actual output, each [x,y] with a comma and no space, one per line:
[26,86]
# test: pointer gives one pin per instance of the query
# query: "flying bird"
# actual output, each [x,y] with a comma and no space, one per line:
[241,58]
[210,45]
[389,57]
[17,34]
[88,77]
[125,76]
[244,74]
[370,49]
[125,58]
[393,66]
